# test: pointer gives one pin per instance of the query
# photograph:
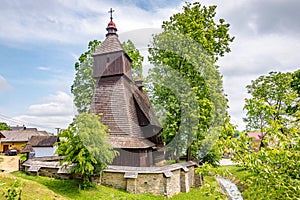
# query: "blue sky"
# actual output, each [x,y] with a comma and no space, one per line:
[41,40]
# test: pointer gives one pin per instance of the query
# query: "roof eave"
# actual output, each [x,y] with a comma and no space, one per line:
[97,54]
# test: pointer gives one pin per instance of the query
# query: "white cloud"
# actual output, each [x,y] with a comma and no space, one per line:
[56,111]
[4,86]
[59,104]
[71,21]
[256,49]
[43,68]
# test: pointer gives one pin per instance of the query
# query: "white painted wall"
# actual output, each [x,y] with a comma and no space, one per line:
[44,151]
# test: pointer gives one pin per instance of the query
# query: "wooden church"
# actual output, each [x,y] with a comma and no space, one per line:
[133,127]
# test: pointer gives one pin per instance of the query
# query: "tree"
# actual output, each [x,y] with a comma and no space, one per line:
[85,144]
[198,23]
[84,83]
[135,56]
[295,84]
[185,54]
[271,98]
[4,126]
[275,168]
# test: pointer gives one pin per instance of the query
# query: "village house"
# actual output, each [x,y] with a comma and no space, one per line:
[17,137]
[43,145]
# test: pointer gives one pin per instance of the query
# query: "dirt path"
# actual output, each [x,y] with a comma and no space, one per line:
[9,163]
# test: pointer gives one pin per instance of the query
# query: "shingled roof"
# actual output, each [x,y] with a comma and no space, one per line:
[43,141]
[21,135]
[27,149]
[109,45]
[20,128]
[126,111]
[130,142]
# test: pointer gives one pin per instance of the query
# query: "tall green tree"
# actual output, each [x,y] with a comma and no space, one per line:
[85,144]
[4,126]
[199,23]
[188,48]
[136,57]
[84,83]
[271,97]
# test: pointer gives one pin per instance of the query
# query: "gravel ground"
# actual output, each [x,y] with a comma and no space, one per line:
[9,163]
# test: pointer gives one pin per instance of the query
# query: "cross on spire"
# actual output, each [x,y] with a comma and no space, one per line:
[111,11]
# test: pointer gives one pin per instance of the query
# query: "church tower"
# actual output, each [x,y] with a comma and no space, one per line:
[125,108]
[110,58]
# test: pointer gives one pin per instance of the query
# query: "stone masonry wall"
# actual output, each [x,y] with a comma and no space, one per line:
[154,183]
[114,179]
[164,181]
[191,176]
[173,184]
[150,182]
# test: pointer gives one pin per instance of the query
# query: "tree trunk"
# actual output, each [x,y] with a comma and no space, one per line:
[188,154]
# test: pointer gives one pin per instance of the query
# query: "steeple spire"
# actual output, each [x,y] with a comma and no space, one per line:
[111,27]
[111,11]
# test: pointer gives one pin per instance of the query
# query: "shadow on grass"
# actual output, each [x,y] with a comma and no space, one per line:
[67,188]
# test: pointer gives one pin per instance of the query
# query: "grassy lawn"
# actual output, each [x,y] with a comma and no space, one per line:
[38,187]
[30,189]
[210,190]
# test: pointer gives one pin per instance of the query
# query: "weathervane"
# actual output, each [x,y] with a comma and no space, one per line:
[111,11]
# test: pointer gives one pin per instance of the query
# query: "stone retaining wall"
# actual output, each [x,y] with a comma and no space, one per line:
[164,181]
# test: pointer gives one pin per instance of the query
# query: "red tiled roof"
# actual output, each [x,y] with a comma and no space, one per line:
[256,135]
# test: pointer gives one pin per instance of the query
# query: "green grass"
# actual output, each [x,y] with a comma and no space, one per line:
[39,187]
[210,190]
[30,189]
